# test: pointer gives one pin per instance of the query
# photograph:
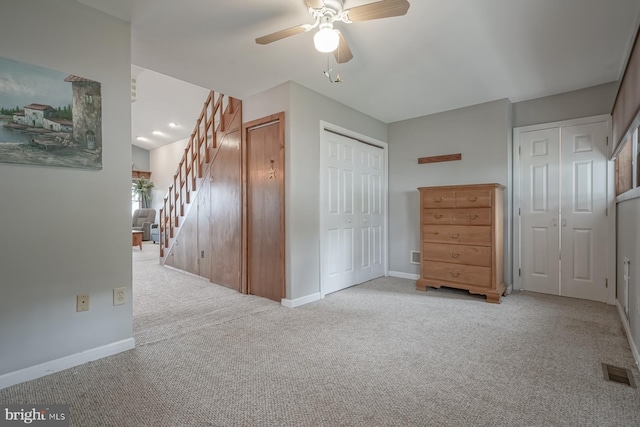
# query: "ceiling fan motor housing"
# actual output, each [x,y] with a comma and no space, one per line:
[335,6]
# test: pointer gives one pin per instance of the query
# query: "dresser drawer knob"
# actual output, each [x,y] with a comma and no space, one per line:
[472,216]
[456,255]
[437,216]
[454,235]
[454,273]
[438,200]
[472,198]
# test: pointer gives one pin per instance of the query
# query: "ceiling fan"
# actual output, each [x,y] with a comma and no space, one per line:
[326,12]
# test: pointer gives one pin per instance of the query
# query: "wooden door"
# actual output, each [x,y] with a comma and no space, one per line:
[265,265]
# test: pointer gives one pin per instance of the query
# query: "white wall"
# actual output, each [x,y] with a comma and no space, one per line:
[591,101]
[480,133]
[163,164]
[628,213]
[140,158]
[66,231]
[269,102]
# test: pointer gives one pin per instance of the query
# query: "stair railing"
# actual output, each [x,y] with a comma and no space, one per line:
[197,155]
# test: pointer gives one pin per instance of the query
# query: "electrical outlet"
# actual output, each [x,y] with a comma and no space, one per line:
[82,302]
[119,296]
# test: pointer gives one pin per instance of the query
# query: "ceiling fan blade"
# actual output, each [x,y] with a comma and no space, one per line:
[278,35]
[314,4]
[377,10]
[342,53]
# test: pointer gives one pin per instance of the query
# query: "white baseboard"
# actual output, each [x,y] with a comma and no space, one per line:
[43,369]
[401,275]
[627,330]
[292,303]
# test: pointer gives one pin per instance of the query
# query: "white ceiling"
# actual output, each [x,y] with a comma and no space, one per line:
[162,100]
[442,55]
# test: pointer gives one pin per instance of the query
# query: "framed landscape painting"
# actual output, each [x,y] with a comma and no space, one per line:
[49,118]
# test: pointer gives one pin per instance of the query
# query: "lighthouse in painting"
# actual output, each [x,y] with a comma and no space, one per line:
[87,112]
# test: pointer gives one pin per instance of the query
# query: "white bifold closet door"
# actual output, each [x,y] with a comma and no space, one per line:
[563,210]
[352,244]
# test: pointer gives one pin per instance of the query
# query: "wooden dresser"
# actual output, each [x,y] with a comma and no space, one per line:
[461,229]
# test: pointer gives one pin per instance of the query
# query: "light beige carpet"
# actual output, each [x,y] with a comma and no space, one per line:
[378,354]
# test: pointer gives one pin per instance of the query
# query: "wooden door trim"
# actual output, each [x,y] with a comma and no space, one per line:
[246,127]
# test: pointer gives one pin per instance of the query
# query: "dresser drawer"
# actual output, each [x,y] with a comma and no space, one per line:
[457,234]
[457,254]
[438,199]
[467,274]
[439,216]
[473,198]
[472,216]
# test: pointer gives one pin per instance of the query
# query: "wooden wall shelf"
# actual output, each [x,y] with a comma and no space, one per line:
[140,174]
[436,159]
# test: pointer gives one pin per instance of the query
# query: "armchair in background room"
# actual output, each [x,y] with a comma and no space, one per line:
[142,220]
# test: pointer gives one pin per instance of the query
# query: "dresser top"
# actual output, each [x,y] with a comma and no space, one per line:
[466,186]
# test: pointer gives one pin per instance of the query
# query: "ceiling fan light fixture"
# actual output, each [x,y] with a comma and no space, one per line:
[326,40]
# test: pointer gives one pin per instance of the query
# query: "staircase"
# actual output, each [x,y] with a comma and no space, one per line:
[199,155]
